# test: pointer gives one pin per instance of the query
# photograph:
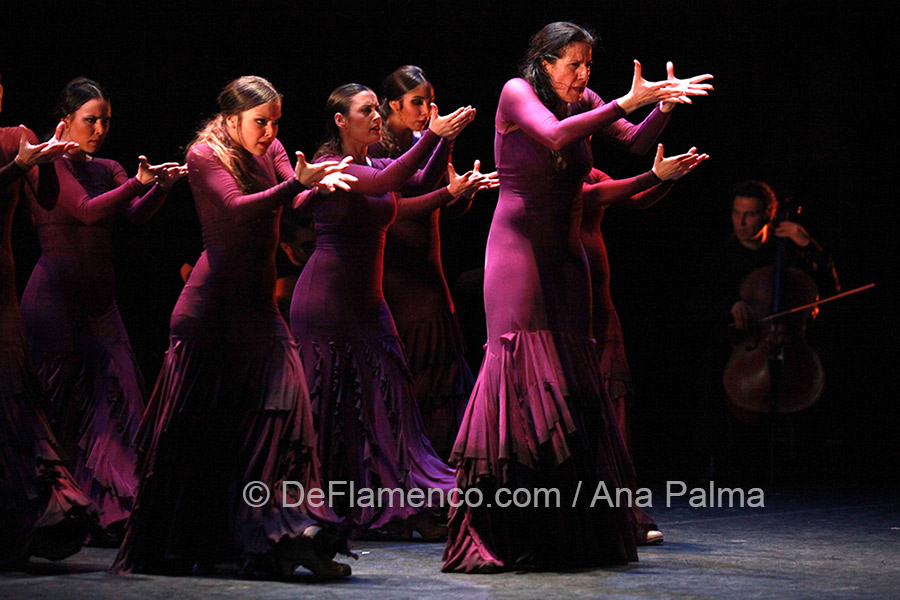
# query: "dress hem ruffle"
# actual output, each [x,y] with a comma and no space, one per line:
[539,417]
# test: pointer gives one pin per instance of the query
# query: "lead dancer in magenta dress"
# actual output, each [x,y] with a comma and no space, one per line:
[230,406]
[80,346]
[370,432]
[42,510]
[414,284]
[539,416]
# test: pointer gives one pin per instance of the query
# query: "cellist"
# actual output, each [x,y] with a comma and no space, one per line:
[752,245]
[753,209]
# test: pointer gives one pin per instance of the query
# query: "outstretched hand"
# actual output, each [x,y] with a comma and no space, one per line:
[449,126]
[676,167]
[470,182]
[163,174]
[327,175]
[30,154]
[645,92]
[169,174]
[476,179]
[668,105]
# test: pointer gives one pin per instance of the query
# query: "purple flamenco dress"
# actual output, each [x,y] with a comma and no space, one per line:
[539,416]
[419,298]
[42,510]
[642,190]
[370,432]
[79,343]
[230,406]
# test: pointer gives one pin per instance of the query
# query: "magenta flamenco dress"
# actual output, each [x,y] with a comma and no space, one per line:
[539,416]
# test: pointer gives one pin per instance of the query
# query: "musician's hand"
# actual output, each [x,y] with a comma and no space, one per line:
[794,231]
[743,314]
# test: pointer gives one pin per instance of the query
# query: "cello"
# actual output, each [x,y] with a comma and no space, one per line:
[774,370]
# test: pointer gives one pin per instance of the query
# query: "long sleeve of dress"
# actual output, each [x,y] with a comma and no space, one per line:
[9,173]
[377,182]
[457,207]
[419,206]
[42,182]
[640,191]
[141,209]
[283,169]
[622,133]
[75,200]
[429,177]
[211,177]
[519,105]
[305,201]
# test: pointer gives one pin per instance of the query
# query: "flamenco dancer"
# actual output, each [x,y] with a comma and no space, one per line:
[368,424]
[42,510]
[599,192]
[231,406]
[539,416]
[79,343]
[414,284]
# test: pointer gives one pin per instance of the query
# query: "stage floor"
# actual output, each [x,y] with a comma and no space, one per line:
[802,544]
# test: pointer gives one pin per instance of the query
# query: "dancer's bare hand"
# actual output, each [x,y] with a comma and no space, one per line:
[477,180]
[470,182]
[676,167]
[449,126]
[30,154]
[645,92]
[668,105]
[168,172]
[327,175]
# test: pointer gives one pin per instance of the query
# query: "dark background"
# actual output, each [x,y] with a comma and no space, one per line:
[804,99]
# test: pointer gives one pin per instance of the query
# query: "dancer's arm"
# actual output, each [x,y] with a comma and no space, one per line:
[90,210]
[212,179]
[377,182]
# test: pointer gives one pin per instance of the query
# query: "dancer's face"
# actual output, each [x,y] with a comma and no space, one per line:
[255,129]
[88,125]
[748,216]
[362,123]
[411,111]
[570,73]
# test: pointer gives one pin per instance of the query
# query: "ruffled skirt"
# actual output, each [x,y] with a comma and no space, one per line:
[370,432]
[42,510]
[539,418]
[225,446]
[436,353]
[96,399]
